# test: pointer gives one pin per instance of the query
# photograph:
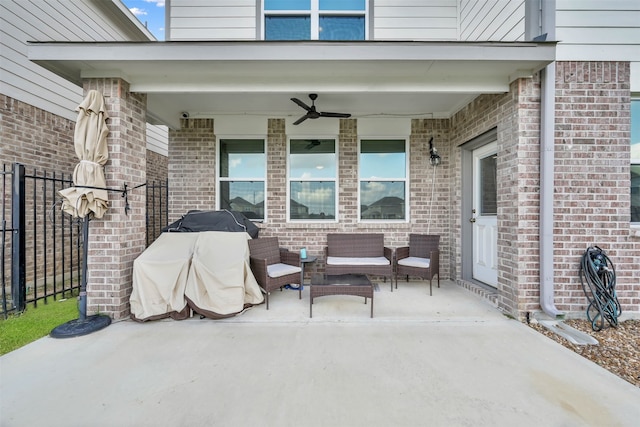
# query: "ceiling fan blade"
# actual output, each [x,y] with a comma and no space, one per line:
[312,143]
[340,115]
[300,120]
[301,104]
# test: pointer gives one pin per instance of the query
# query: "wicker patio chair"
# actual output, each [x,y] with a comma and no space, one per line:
[273,266]
[420,259]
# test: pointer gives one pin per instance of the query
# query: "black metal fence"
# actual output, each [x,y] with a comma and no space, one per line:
[41,245]
[157,216]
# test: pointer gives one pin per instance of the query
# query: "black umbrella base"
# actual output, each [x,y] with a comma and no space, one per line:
[77,327]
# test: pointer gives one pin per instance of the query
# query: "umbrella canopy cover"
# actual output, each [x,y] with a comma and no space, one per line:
[89,196]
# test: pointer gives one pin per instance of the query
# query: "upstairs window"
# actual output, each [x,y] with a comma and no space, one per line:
[315,19]
[312,179]
[383,180]
[242,166]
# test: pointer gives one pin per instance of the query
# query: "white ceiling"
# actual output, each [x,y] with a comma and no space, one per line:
[205,79]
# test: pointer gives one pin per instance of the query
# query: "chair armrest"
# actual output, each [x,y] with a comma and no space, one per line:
[434,260]
[402,252]
[388,254]
[290,258]
[259,269]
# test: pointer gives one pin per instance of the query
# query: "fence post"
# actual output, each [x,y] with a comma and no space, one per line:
[18,255]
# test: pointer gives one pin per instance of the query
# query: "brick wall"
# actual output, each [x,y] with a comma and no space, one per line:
[157,167]
[478,117]
[192,185]
[191,167]
[119,237]
[592,206]
[43,142]
[591,183]
[35,138]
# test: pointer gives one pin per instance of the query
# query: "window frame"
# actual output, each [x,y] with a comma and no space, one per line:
[220,179]
[635,97]
[406,180]
[335,181]
[314,14]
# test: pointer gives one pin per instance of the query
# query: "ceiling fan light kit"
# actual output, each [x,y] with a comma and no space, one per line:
[313,113]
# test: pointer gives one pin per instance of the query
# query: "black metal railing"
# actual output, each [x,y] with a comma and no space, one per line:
[41,245]
[157,216]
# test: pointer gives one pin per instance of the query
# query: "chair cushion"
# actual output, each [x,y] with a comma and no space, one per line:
[338,260]
[414,261]
[279,270]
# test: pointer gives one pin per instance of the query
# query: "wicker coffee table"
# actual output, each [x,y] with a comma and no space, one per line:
[342,284]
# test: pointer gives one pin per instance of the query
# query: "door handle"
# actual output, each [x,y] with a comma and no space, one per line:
[472,220]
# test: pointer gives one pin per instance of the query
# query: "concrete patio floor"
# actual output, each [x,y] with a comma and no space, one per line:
[447,360]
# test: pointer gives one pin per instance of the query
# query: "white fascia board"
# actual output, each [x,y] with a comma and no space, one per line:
[478,84]
[301,51]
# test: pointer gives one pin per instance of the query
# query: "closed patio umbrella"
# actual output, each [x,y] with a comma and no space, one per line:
[88,198]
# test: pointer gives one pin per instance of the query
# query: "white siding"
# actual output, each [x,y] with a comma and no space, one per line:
[22,21]
[598,30]
[157,137]
[53,20]
[415,20]
[493,20]
[212,20]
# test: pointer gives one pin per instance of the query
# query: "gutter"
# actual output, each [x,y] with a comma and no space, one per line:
[547,159]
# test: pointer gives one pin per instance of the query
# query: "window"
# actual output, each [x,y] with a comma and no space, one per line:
[242,171]
[312,179]
[635,161]
[383,186]
[315,19]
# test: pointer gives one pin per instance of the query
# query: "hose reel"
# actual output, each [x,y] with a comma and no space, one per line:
[598,278]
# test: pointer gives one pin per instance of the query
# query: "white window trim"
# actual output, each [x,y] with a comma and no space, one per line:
[634,225]
[335,180]
[406,180]
[314,13]
[220,179]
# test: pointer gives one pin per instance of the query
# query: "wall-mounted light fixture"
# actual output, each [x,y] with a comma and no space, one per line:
[434,158]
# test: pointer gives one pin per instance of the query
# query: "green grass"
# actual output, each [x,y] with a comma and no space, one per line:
[19,330]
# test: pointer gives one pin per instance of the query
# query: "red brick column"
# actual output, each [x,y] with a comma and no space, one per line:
[117,239]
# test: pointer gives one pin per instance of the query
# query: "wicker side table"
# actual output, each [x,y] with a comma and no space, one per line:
[342,284]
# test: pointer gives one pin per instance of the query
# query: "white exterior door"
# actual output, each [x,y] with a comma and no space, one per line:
[484,215]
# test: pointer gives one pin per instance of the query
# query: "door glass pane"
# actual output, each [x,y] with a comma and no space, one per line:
[243,196]
[287,27]
[312,200]
[488,186]
[341,28]
[635,193]
[382,200]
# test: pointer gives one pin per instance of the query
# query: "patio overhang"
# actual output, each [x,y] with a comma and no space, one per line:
[367,79]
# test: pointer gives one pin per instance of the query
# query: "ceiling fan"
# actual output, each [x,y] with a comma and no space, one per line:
[312,143]
[312,113]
